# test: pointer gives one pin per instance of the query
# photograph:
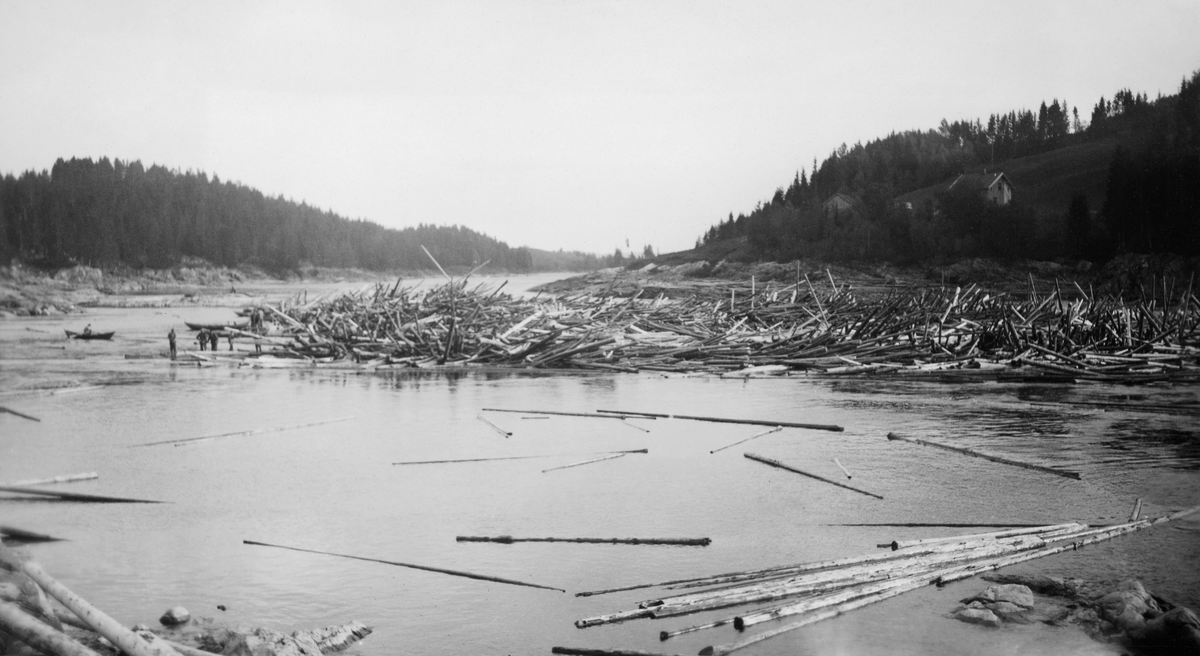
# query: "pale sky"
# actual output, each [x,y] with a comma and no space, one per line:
[556,124]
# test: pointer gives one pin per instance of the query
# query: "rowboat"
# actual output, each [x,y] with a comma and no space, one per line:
[71,334]
[216,326]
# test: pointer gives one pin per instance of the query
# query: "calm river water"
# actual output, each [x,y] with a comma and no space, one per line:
[333,487]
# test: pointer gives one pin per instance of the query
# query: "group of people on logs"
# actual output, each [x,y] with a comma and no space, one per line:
[210,337]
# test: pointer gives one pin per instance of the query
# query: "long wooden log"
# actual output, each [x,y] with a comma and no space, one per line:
[584,651]
[775,463]
[561,414]
[68,478]
[844,471]
[256,431]
[440,570]
[971,452]
[26,536]
[1039,530]
[494,427]
[106,626]
[767,432]
[1137,510]
[19,414]
[551,455]
[71,496]
[724,420]
[38,635]
[861,597]
[584,462]
[508,539]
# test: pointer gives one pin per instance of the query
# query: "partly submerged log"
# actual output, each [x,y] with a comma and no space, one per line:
[584,651]
[895,545]
[256,431]
[71,496]
[725,420]
[757,435]
[508,539]
[548,455]
[22,535]
[971,452]
[585,462]
[451,572]
[67,478]
[780,465]
[19,414]
[494,427]
[560,414]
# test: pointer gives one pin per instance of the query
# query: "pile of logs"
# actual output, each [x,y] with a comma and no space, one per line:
[919,333]
[811,592]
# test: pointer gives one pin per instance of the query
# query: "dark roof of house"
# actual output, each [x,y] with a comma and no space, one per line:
[978,181]
[848,199]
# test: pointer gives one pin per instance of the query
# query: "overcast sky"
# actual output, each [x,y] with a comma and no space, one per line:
[555,124]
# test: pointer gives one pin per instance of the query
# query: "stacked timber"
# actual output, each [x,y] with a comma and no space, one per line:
[803,328]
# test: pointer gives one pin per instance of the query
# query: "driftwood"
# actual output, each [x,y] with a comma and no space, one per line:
[585,462]
[71,496]
[971,452]
[494,427]
[1136,512]
[583,651]
[561,414]
[451,572]
[844,470]
[780,465]
[768,432]
[896,545]
[508,539]
[723,420]
[559,455]
[257,431]
[37,634]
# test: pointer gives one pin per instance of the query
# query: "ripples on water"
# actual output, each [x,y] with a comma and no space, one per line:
[333,487]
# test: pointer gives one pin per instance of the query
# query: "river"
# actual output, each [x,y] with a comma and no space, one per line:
[333,487]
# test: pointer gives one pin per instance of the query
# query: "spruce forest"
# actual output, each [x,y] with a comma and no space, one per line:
[103,213]
[1124,179]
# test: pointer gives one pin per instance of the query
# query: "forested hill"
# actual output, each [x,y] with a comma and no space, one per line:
[119,213]
[1122,177]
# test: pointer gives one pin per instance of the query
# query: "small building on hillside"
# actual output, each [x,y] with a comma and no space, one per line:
[995,187]
[840,204]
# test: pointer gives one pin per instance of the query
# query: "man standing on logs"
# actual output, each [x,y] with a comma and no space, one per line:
[202,337]
[214,340]
[171,342]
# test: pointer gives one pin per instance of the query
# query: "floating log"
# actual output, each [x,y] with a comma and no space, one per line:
[723,420]
[776,463]
[67,478]
[896,545]
[26,536]
[126,640]
[561,414]
[19,414]
[971,452]
[508,539]
[257,431]
[768,432]
[494,427]
[36,634]
[938,525]
[584,462]
[1137,511]
[583,651]
[451,572]
[71,496]
[558,455]
[839,464]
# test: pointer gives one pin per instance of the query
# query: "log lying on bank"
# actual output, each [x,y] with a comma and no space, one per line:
[827,590]
[724,420]
[976,454]
[775,463]
[96,620]
[37,634]
[71,496]
[508,539]
[439,570]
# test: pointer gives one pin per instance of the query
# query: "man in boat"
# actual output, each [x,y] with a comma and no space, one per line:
[87,330]
[171,342]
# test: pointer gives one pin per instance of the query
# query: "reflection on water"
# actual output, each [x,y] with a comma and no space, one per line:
[333,487]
